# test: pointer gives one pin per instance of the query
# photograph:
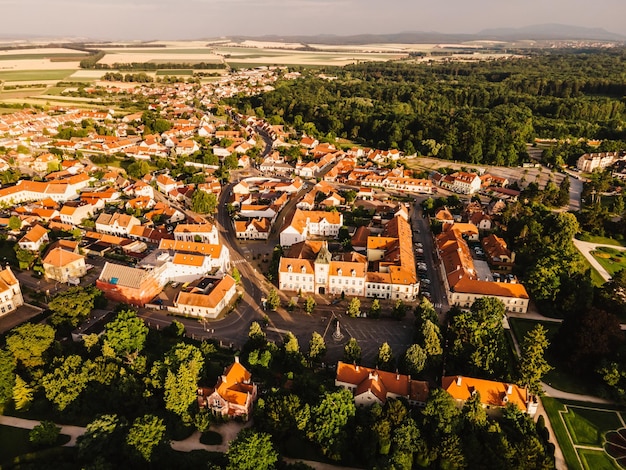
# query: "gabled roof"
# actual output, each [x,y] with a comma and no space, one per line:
[59,257]
[235,385]
[491,393]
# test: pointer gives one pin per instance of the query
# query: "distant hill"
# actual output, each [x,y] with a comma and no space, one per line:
[550,31]
[534,32]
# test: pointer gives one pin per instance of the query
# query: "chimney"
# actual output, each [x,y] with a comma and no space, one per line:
[458,380]
[509,389]
[223,379]
[356,367]
[237,359]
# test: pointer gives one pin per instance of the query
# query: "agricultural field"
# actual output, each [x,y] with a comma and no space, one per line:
[582,433]
[33,75]
[174,72]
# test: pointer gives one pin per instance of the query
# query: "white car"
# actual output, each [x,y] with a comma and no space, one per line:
[426,281]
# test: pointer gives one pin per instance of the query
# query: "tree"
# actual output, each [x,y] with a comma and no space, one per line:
[73,305]
[256,333]
[236,275]
[385,356]
[329,419]
[375,309]
[203,202]
[441,415]
[415,359]
[7,377]
[252,450]
[291,344]
[352,351]
[25,257]
[15,223]
[273,300]
[138,169]
[22,394]
[29,342]
[399,309]
[354,308]
[146,433]
[309,305]
[103,437]
[44,434]
[431,338]
[181,388]
[317,347]
[532,364]
[126,335]
[66,382]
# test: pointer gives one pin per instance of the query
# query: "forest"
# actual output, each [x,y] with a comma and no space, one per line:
[480,112]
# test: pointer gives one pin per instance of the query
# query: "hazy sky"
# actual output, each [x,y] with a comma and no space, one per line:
[189,19]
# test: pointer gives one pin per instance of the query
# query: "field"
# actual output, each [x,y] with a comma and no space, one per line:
[611,259]
[34,75]
[581,433]
[175,72]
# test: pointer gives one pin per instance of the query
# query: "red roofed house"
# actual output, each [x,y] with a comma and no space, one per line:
[493,395]
[234,393]
[371,386]
[10,292]
[208,302]
[64,266]
[34,239]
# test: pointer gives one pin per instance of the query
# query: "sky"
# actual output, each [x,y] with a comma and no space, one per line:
[201,19]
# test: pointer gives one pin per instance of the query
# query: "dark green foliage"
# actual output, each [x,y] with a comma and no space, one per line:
[73,305]
[44,434]
[29,342]
[252,451]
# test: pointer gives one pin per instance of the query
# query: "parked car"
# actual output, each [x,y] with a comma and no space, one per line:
[426,281]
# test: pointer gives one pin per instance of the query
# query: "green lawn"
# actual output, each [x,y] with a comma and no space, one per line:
[611,259]
[597,460]
[13,442]
[597,239]
[552,407]
[587,427]
[32,75]
[521,326]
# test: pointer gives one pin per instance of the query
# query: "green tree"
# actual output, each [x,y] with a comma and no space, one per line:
[138,169]
[22,394]
[309,305]
[15,223]
[7,377]
[399,309]
[291,344]
[45,434]
[66,382]
[441,415]
[73,305]
[385,356]
[181,389]
[26,258]
[103,437]
[252,450]
[532,363]
[352,351]
[415,359]
[329,420]
[29,342]
[126,335]
[273,300]
[375,309]
[354,308]
[431,339]
[256,333]
[317,347]
[145,435]
[236,275]
[203,202]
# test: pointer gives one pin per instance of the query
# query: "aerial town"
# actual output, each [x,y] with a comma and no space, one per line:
[187,252]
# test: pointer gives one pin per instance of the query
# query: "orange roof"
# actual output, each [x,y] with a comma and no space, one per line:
[501,289]
[210,300]
[189,260]
[35,234]
[491,393]
[297,266]
[59,257]
[236,386]
[381,383]
[347,268]
[191,247]
[193,228]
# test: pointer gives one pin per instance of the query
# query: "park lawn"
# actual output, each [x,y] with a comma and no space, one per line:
[615,263]
[597,460]
[521,326]
[55,90]
[587,427]
[597,239]
[552,407]
[32,75]
[13,442]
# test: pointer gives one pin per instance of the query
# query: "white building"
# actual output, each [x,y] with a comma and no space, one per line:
[10,292]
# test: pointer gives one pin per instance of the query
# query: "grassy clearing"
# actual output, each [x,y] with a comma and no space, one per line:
[28,75]
[55,90]
[521,326]
[597,460]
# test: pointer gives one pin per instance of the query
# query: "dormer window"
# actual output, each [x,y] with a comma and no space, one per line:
[303,270]
[289,269]
[353,272]
[339,272]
